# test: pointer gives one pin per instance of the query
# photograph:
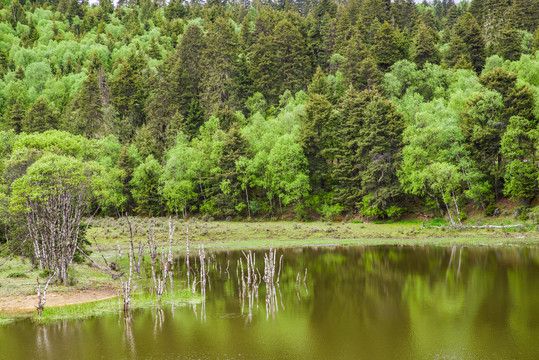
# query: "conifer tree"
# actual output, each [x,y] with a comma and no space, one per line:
[87,114]
[367,155]
[469,33]
[425,49]
[39,117]
[509,44]
[128,92]
[235,146]
[190,50]
[359,68]
[14,117]
[318,141]
[220,64]
[387,47]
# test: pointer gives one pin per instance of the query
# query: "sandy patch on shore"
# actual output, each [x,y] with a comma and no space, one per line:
[25,304]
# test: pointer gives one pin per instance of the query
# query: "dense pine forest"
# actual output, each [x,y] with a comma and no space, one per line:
[295,109]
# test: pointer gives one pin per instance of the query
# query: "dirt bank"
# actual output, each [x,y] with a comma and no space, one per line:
[25,304]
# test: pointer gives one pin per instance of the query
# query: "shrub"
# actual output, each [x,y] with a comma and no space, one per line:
[330,211]
[17,275]
[394,212]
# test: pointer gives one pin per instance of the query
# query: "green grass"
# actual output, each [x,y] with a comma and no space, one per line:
[97,308]
[6,319]
[87,277]
[108,231]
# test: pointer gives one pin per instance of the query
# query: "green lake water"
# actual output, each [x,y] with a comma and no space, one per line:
[356,302]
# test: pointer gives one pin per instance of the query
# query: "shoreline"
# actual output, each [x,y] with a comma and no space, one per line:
[96,285]
[26,304]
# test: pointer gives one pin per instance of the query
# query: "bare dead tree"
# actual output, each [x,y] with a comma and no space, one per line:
[42,297]
[127,284]
[202,256]
[187,259]
[158,282]
[53,196]
[168,265]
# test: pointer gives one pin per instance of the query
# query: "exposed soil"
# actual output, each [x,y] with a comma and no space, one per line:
[26,304]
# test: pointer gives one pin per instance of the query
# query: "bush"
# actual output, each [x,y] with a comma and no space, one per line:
[17,275]
[533,214]
[45,274]
[492,210]
[521,212]
[370,211]
[395,212]
[330,211]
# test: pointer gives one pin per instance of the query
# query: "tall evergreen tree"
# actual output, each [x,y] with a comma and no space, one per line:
[359,68]
[190,50]
[469,32]
[39,117]
[86,117]
[388,48]
[425,49]
[14,117]
[220,65]
[318,141]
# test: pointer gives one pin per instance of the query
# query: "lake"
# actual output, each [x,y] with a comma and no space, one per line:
[354,302]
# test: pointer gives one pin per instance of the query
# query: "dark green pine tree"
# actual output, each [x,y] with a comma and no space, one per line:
[194,120]
[360,68]
[75,9]
[19,73]
[451,18]
[482,126]
[169,100]
[521,14]
[404,14]
[536,41]
[87,113]
[425,49]
[291,57]
[368,153]
[153,50]
[510,43]
[348,191]
[496,13]
[477,9]
[347,25]
[243,85]
[107,6]
[230,196]
[17,14]
[517,100]
[30,38]
[128,93]
[14,116]
[379,144]
[318,140]
[457,52]
[427,17]
[39,117]
[219,64]
[374,9]
[320,85]
[4,60]
[387,47]
[468,30]
[127,164]
[190,50]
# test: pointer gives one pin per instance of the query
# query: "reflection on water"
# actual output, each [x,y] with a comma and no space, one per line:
[377,302]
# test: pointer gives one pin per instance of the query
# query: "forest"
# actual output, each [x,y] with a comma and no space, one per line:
[295,109]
